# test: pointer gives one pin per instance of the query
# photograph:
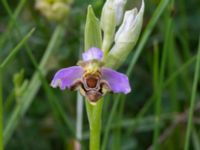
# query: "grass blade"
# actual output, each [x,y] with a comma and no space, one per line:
[11,23]
[1,111]
[160,79]
[192,100]
[16,49]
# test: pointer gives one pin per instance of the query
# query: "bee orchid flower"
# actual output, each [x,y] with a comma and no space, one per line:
[91,78]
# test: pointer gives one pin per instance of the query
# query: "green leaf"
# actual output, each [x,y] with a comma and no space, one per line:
[93,36]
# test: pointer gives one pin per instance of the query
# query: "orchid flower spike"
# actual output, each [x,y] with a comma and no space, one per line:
[91,78]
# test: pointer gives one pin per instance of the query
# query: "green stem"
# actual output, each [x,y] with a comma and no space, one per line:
[1,111]
[94,116]
[33,87]
[192,102]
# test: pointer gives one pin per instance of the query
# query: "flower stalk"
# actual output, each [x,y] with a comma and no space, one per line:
[94,116]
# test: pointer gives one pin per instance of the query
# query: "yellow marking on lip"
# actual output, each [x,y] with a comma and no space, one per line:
[93,103]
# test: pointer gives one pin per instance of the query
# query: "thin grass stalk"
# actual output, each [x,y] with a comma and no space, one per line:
[195,139]
[184,36]
[108,125]
[171,63]
[79,107]
[120,119]
[10,25]
[156,15]
[184,76]
[192,100]
[145,121]
[16,49]
[172,67]
[140,114]
[156,84]
[27,98]
[79,118]
[1,111]
[180,70]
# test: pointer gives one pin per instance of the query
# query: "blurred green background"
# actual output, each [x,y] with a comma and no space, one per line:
[37,117]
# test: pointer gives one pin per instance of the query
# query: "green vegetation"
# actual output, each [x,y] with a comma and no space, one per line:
[161,112]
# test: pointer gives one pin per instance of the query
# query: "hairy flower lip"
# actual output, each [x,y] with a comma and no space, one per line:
[92,84]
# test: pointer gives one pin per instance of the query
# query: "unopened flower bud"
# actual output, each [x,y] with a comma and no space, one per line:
[126,36]
[111,16]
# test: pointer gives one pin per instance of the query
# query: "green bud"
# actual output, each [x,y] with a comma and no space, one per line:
[126,37]
[19,84]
